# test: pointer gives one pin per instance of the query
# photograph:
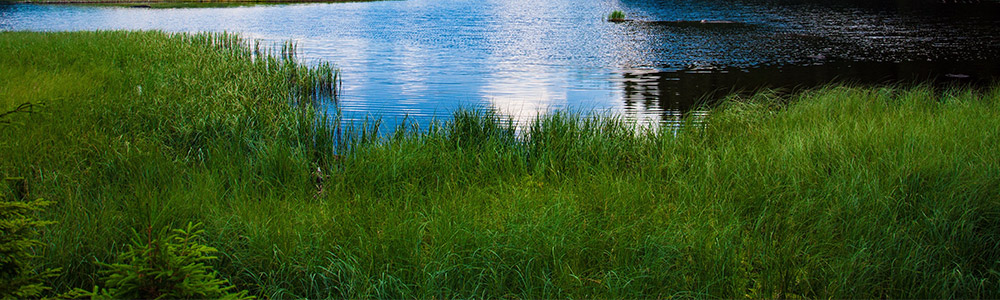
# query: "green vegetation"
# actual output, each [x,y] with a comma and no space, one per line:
[19,273]
[164,267]
[841,192]
[616,16]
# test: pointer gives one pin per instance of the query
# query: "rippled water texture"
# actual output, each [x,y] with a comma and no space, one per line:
[425,58]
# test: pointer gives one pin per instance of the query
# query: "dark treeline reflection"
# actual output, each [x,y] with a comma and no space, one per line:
[697,52]
[676,92]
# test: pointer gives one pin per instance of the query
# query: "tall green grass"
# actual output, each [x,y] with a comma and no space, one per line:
[843,191]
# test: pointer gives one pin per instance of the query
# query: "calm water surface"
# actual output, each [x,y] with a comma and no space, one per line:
[425,58]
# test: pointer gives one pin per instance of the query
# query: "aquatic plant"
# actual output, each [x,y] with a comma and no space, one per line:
[616,16]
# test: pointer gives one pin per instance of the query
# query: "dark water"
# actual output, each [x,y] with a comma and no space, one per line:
[425,58]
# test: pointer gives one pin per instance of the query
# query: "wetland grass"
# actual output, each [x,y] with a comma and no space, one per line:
[839,192]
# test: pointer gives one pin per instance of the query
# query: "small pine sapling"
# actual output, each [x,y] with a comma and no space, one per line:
[19,274]
[164,268]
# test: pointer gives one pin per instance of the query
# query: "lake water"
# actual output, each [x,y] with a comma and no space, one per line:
[425,58]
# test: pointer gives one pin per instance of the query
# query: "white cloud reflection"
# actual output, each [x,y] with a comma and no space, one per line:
[522,82]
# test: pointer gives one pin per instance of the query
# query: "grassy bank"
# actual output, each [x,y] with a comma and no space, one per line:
[837,192]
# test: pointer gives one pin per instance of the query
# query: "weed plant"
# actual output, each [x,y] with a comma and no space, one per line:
[839,192]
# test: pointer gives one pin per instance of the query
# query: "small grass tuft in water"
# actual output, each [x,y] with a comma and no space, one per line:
[616,16]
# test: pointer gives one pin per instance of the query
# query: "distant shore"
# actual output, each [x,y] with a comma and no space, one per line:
[163,2]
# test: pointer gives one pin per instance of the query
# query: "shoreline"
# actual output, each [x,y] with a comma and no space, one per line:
[125,2]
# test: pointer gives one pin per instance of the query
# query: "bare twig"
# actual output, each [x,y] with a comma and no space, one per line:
[26,107]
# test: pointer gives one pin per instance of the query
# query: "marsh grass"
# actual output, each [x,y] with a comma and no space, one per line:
[838,192]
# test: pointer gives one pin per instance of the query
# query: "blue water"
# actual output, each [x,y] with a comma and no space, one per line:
[424,58]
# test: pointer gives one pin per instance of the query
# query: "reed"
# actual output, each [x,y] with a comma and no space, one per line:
[838,192]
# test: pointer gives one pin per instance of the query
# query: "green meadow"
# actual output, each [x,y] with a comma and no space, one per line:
[836,192]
